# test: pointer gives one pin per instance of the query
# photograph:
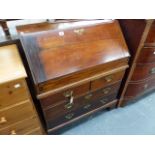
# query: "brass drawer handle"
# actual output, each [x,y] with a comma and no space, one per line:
[89,96]
[3,120]
[104,101]
[145,86]
[69,105]
[87,106]
[152,71]
[69,116]
[108,78]
[13,132]
[68,93]
[106,90]
[79,31]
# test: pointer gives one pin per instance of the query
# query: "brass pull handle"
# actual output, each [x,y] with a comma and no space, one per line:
[13,132]
[79,31]
[3,120]
[87,106]
[70,104]
[69,116]
[106,90]
[68,94]
[153,52]
[89,96]
[152,71]
[145,86]
[108,79]
[104,101]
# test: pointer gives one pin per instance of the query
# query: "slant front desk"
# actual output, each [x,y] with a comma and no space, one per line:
[77,67]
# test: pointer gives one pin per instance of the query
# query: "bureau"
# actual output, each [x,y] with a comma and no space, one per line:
[140,78]
[17,113]
[76,67]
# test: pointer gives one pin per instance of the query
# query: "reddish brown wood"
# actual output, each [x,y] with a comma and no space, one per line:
[143,71]
[137,89]
[104,81]
[150,40]
[147,55]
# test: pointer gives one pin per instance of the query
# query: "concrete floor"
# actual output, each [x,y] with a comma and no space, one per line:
[135,119]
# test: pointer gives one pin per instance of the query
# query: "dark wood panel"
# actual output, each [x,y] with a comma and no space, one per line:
[147,55]
[143,71]
[73,114]
[85,101]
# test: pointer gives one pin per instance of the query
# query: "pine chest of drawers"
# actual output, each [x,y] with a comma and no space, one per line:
[17,113]
[77,67]
[140,37]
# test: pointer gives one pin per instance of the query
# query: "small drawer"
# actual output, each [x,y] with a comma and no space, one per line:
[18,113]
[107,80]
[12,93]
[147,55]
[150,40]
[64,95]
[143,72]
[136,89]
[83,110]
[21,128]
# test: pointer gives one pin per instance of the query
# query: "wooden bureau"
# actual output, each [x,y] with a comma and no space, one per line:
[76,66]
[17,113]
[140,78]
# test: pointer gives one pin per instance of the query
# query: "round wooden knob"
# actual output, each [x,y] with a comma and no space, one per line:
[3,120]
[13,132]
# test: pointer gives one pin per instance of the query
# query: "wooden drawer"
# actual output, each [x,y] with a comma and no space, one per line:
[12,93]
[18,113]
[150,40]
[36,131]
[144,71]
[107,80]
[83,110]
[147,55]
[21,128]
[136,89]
[63,108]
[65,95]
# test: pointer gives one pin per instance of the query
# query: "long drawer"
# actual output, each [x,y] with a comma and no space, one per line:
[18,113]
[13,93]
[21,128]
[136,89]
[144,71]
[147,55]
[81,111]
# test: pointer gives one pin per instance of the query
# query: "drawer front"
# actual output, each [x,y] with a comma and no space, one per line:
[66,107]
[12,93]
[77,33]
[147,55]
[107,80]
[83,110]
[150,40]
[142,72]
[21,128]
[65,96]
[15,114]
[135,89]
